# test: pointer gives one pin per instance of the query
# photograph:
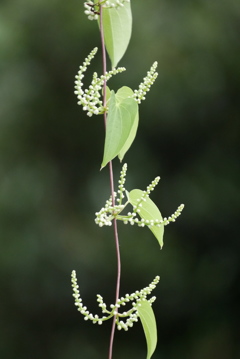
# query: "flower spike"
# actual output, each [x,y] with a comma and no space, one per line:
[90,98]
[106,215]
[124,320]
[144,87]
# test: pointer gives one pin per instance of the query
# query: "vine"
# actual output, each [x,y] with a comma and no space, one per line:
[121,117]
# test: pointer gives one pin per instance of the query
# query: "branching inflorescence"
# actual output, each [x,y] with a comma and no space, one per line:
[91,99]
[125,319]
[106,215]
[92,8]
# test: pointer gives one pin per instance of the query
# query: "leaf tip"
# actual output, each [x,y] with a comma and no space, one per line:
[120,158]
[161,244]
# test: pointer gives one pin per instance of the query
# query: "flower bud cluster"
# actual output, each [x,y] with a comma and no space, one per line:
[173,217]
[146,194]
[153,222]
[105,216]
[136,298]
[123,320]
[121,183]
[144,87]
[132,216]
[90,98]
[78,302]
[92,9]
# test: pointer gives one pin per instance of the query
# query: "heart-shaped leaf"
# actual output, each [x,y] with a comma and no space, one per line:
[122,114]
[148,211]
[148,321]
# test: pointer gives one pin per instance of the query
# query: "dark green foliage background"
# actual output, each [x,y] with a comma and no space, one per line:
[50,184]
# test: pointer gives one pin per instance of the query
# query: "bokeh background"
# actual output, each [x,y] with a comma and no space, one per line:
[51,186]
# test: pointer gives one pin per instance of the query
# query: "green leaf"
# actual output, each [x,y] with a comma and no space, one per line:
[148,211]
[117,28]
[125,92]
[120,121]
[148,320]
[130,139]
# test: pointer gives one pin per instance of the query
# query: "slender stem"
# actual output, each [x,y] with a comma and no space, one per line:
[104,61]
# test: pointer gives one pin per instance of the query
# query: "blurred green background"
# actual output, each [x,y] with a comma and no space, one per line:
[51,186]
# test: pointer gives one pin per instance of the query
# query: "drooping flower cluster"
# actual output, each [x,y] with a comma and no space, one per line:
[125,319]
[144,87]
[90,98]
[105,216]
[92,8]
